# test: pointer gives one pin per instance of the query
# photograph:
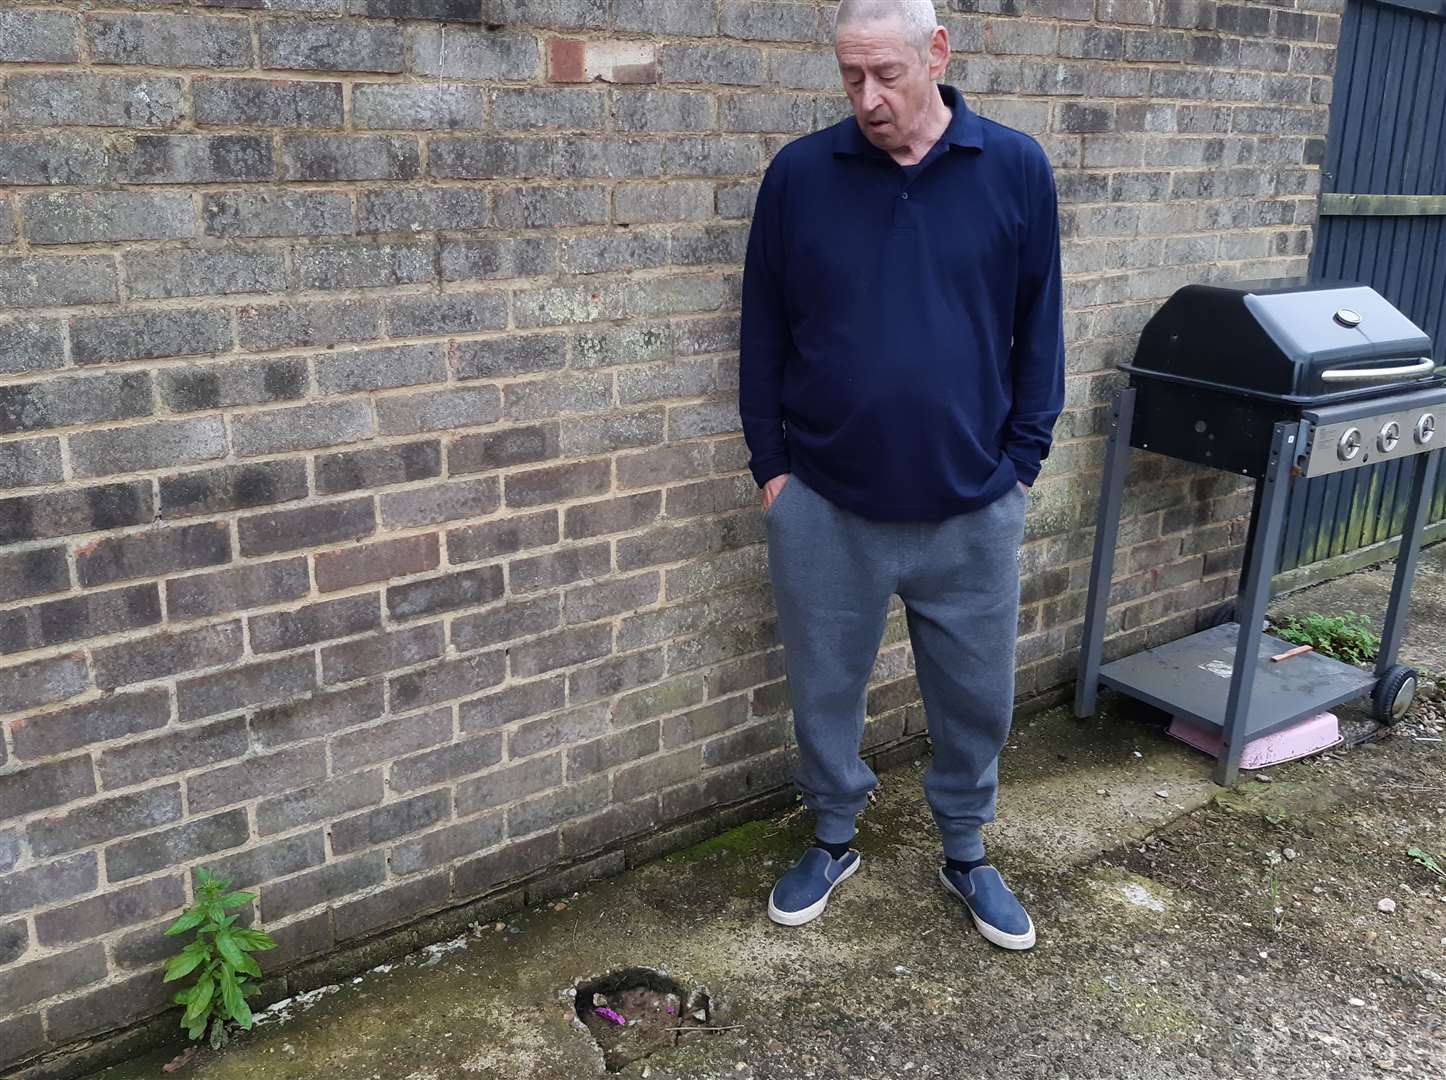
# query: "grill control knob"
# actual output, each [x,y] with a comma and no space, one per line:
[1425,429]
[1389,438]
[1350,445]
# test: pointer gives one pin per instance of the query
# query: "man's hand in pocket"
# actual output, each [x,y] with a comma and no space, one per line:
[773,489]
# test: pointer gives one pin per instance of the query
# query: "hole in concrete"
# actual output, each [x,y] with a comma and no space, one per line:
[654,1009]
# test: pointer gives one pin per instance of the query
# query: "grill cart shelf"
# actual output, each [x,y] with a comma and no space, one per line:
[1269,382]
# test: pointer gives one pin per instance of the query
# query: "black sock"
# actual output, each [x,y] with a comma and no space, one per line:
[835,851]
[964,866]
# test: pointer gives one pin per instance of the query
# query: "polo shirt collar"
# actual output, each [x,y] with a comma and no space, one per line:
[965,130]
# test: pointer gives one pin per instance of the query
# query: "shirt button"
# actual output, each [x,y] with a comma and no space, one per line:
[905,195]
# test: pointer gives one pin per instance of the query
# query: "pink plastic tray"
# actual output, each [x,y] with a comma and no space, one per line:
[1308,736]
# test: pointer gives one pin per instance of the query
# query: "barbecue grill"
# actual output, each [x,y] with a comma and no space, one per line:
[1270,380]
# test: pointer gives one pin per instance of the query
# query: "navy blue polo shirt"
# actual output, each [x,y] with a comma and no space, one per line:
[903,339]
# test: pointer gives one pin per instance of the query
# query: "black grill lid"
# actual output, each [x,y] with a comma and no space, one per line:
[1280,339]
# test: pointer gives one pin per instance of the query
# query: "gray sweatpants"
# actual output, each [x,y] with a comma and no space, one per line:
[833,576]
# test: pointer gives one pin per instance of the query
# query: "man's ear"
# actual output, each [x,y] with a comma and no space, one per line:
[938,53]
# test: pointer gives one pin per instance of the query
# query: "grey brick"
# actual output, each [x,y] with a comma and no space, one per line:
[171,847]
[389,821]
[258,585]
[204,272]
[153,553]
[42,786]
[633,344]
[176,751]
[561,14]
[669,697]
[510,863]
[766,112]
[44,682]
[660,382]
[726,64]
[302,427]
[320,802]
[33,573]
[329,46]
[262,774]
[74,100]
[363,265]
[382,653]
[313,623]
[460,52]
[29,463]
[502,786]
[506,624]
[391,739]
[50,281]
[449,313]
[253,685]
[222,385]
[613,251]
[446,763]
[499,449]
[30,345]
[418,106]
[110,911]
[663,110]
[397,904]
[107,216]
[543,399]
[515,703]
[805,70]
[422,210]
[564,729]
[489,157]
[558,483]
[50,975]
[438,410]
[447,592]
[9,851]
[551,207]
[613,516]
[773,21]
[161,655]
[271,861]
[47,884]
[234,487]
[349,157]
[610,751]
[107,819]
[569,648]
[589,156]
[709,244]
[147,446]
[726,155]
[77,617]
[446,845]
[440,502]
[607,434]
[45,37]
[397,464]
[645,203]
[52,159]
[147,335]
[502,537]
[277,213]
[445,10]
[316,716]
[63,513]
[500,257]
[322,885]
[551,810]
[537,108]
[7,222]
[382,561]
[14,943]
[685,17]
[592,602]
[195,159]
[169,40]
[351,371]
[272,103]
[281,326]
[445,681]
[512,355]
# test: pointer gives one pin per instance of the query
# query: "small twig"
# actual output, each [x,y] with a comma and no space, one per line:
[730,1027]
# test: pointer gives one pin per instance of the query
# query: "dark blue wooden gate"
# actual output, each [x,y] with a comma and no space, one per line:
[1387,138]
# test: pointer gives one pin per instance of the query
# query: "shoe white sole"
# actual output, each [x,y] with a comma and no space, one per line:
[814,910]
[993,934]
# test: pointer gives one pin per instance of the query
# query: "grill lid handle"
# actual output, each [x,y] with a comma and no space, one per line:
[1423,366]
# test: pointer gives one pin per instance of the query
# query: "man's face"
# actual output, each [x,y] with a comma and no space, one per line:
[889,81]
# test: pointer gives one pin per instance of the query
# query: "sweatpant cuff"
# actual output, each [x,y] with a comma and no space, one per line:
[966,847]
[836,828]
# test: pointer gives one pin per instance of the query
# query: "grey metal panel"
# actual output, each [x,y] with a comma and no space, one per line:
[1387,137]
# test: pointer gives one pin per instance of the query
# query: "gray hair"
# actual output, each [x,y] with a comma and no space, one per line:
[916,17]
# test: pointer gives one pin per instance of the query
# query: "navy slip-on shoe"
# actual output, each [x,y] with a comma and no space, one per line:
[801,894]
[996,911]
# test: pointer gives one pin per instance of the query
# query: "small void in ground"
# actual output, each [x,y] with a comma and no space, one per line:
[637,1012]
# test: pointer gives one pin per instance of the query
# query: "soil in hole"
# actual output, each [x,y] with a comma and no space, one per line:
[639,1011]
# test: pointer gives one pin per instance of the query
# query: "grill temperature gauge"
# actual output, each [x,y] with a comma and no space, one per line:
[1350,444]
[1389,438]
[1425,429]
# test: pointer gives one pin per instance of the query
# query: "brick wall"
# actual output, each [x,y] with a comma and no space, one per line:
[373,518]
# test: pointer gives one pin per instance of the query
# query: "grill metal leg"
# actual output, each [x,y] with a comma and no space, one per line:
[1422,485]
[1107,532]
[1254,595]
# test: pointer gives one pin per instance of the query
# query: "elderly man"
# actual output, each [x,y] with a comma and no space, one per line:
[902,369]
